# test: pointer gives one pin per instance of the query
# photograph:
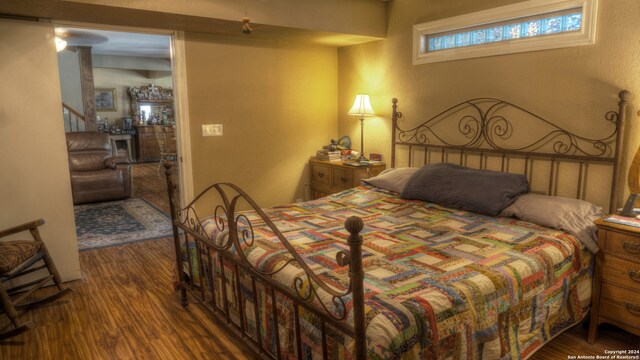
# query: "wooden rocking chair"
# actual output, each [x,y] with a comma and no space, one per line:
[18,258]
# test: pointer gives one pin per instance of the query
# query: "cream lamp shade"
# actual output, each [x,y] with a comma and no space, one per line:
[362,106]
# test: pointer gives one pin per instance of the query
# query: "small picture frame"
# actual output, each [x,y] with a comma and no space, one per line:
[105,99]
[375,157]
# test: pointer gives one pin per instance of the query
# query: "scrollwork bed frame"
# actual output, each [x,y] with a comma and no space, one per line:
[482,131]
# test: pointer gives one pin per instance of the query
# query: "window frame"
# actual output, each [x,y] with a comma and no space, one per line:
[586,35]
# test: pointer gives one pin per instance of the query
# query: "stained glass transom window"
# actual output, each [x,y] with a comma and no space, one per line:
[523,26]
[516,29]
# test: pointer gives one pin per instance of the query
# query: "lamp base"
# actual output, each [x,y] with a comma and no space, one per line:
[362,158]
[629,206]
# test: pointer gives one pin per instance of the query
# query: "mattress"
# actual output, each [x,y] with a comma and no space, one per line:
[439,283]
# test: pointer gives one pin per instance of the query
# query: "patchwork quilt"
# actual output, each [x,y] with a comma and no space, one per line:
[439,283]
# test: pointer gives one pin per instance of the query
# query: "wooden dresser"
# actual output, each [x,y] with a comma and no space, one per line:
[147,147]
[328,177]
[616,284]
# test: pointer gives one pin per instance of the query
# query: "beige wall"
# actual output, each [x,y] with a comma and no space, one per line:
[70,83]
[574,85]
[277,104]
[35,174]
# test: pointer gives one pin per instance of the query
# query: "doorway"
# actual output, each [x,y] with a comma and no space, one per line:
[120,84]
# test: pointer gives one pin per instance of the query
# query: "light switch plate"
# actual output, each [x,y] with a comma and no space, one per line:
[212,130]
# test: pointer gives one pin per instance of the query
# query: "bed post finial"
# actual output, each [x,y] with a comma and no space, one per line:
[621,117]
[354,225]
[168,172]
[624,95]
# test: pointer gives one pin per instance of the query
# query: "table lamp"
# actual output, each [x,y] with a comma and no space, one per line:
[362,108]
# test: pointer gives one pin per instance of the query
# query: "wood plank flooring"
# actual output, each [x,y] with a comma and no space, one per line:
[124,307]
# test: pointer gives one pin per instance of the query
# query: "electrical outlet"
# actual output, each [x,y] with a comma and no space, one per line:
[212,130]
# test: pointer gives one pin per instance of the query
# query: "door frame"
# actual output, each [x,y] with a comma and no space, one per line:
[181,103]
[180,100]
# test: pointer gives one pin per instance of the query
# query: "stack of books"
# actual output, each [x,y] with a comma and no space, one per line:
[624,220]
[325,154]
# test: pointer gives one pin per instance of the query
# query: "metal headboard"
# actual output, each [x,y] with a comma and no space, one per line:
[484,129]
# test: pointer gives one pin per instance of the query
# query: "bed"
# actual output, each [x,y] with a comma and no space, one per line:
[367,274]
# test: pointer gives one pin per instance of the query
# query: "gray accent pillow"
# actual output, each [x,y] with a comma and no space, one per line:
[571,215]
[481,191]
[392,179]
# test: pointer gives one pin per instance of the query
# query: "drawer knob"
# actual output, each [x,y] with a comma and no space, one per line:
[343,179]
[632,308]
[631,247]
[634,275]
[320,174]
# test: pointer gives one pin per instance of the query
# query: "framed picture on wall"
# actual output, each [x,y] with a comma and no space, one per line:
[105,99]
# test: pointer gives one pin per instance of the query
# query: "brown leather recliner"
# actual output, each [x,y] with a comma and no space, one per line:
[96,175]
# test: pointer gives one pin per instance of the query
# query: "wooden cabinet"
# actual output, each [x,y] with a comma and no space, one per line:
[616,284]
[152,104]
[328,177]
[147,147]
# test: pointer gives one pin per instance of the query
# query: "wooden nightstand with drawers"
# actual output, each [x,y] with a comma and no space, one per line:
[329,177]
[616,283]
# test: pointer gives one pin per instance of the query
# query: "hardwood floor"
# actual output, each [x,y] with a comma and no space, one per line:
[124,307]
[150,184]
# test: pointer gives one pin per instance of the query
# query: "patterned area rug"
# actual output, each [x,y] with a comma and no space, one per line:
[119,222]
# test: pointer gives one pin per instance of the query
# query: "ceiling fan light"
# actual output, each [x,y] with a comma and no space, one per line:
[61,44]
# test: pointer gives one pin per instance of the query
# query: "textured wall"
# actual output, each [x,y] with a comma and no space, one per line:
[575,86]
[277,103]
[35,173]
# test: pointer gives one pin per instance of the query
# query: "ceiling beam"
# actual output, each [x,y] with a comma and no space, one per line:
[334,22]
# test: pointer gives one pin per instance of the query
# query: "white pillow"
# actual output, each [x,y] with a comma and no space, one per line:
[571,215]
[392,179]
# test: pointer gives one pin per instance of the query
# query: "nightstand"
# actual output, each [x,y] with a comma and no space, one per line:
[329,177]
[616,283]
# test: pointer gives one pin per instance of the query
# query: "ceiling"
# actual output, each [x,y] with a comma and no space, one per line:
[118,43]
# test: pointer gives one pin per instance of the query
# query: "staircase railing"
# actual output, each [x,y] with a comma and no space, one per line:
[74,121]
